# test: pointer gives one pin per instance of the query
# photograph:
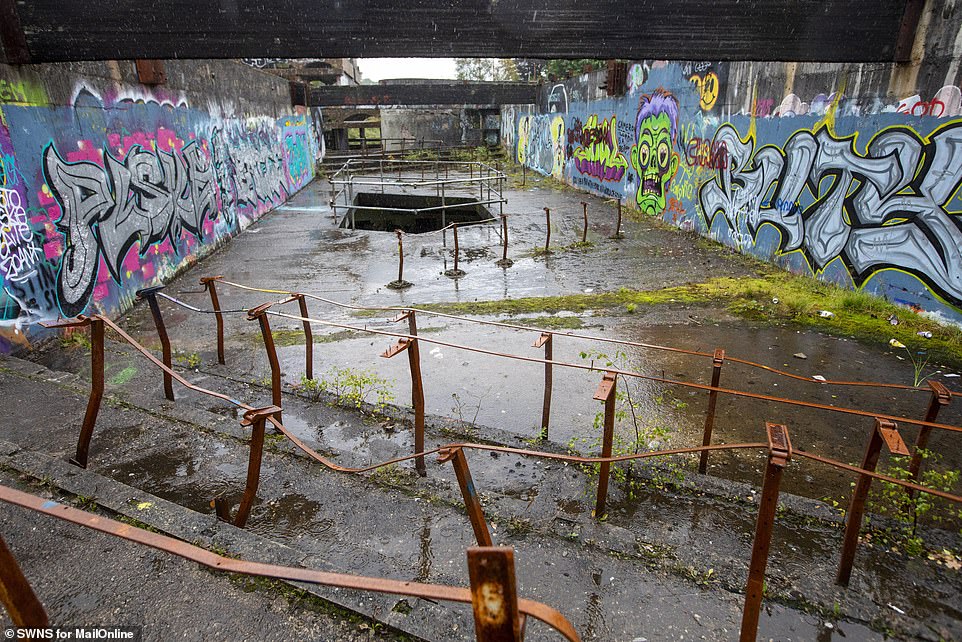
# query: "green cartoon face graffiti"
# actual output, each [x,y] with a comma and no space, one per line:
[655,161]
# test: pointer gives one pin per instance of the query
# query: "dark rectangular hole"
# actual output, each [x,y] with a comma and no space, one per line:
[397,212]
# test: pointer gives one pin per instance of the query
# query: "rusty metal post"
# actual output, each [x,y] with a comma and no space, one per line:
[308,336]
[454,229]
[96,326]
[886,432]
[524,174]
[606,392]
[259,314]
[400,256]
[547,238]
[940,397]
[494,594]
[584,233]
[256,419]
[150,294]
[17,596]
[617,234]
[546,339]
[417,386]
[716,366]
[470,494]
[444,208]
[779,454]
[209,284]
[505,262]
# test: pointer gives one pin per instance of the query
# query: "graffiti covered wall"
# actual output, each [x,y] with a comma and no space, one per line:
[857,190]
[116,187]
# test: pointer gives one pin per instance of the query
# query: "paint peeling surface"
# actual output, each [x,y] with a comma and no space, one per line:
[853,191]
[115,193]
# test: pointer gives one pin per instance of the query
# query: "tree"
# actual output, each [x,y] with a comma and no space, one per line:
[501,69]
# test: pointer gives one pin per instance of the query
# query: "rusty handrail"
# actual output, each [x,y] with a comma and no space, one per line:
[587,337]
[158,541]
[627,373]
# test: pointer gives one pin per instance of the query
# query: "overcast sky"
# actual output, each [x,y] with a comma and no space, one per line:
[380,68]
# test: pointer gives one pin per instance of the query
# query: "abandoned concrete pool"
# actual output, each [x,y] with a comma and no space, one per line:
[648,350]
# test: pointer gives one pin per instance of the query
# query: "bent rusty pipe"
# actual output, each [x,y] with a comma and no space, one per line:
[211,560]
[150,294]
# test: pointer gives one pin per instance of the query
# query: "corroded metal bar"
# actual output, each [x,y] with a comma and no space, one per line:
[150,294]
[779,454]
[217,562]
[584,233]
[886,432]
[547,340]
[940,397]
[400,256]
[470,494]
[260,315]
[17,596]
[256,420]
[96,392]
[417,387]
[606,392]
[209,283]
[547,238]
[717,363]
[494,594]
[308,337]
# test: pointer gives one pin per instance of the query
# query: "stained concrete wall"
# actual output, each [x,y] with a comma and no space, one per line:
[464,125]
[108,186]
[848,173]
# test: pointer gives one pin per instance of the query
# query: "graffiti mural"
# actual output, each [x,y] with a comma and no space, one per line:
[886,207]
[596,153]
[117,192]
[147,196]
[653,155]
[541,143]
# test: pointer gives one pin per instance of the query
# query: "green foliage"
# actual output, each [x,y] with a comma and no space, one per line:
[350,387]
[501,69]
[644,435]
[560,69]
[907,510]
[75,339]
[189,359]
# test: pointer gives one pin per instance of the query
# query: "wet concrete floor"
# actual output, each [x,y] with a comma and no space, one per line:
[538,506]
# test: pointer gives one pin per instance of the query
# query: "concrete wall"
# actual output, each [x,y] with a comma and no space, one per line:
[108,186]
[849,173]
[465,125]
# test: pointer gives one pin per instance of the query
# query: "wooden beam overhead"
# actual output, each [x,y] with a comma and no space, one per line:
[797,30]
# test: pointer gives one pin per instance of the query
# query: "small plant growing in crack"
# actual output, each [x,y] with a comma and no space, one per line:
[350,387]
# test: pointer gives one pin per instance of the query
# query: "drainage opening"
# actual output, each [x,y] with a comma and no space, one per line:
[411,213]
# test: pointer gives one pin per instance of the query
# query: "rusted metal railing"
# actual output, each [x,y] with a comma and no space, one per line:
[499,612]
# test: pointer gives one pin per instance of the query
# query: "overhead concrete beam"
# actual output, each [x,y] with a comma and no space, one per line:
[798,30]
[412,94]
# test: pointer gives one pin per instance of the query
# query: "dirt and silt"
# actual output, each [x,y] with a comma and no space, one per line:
[663,522]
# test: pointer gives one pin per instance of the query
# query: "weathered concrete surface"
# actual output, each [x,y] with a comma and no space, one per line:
[659,560]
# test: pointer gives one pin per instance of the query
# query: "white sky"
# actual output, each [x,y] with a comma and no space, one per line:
[381,68]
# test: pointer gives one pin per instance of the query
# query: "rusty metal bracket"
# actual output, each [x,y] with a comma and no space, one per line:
[80,321]
[494,594]
[606,388]
[779,443]
[396,349]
